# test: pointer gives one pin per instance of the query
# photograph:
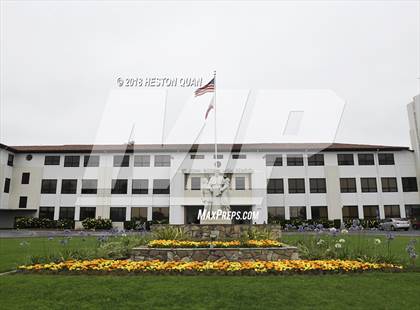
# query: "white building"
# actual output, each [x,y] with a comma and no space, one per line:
[312,181]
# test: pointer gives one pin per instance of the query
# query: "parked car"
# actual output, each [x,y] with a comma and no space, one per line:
[415,223]
[394,224]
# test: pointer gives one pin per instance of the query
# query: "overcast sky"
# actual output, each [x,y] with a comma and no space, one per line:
[60,62]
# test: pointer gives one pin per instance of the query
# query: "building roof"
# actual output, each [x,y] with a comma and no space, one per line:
[105,148]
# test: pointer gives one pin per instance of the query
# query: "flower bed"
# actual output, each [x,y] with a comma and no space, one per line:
[214,244]
[219,267]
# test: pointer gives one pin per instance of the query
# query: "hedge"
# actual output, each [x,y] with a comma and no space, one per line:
[33,222]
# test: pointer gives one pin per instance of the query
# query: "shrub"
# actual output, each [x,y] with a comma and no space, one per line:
[254,233]
[33,222]
[135,224]
[169,233]
[98,223]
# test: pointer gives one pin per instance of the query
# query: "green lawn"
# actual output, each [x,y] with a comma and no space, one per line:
[397,246]
[360,291]
[356,291]
[13,254]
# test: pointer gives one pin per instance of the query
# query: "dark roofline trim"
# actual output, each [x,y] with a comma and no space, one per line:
[257,147]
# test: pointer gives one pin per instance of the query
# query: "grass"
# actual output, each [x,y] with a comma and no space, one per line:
[13,254]
[397,246]
[360,291]
[371,290]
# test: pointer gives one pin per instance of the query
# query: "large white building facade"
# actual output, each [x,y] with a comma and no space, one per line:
[164,182]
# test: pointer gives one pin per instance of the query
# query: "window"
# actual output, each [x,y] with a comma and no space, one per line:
[350,212]
[412,211]
[121,160]
[119,186]
[298,213]
[46,213]
[392,211]
[160,215]
[162,161]
[240,183]
[389,184]
[348,185]
[66,213]
[366,159]
[139,213]
[319,212]
[87,213]
[294,160]
[52,160]
[345,159]
[91,161]
[371,212]
[6,188]
[238,156]
[275,214]
[196,156]
[409,184]
[273,160]
[68,186]
[368,185]
[89,186]
[195,183]
[275,186]
[117,214]
[10,159]
[316,160]
[140,186]
[71,161]
[25,178]
[317,185]
[161,186]
[48,186]
[296,186]
[23,200]
[386,158]
[141,160]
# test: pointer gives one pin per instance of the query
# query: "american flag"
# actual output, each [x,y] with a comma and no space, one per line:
[208,88]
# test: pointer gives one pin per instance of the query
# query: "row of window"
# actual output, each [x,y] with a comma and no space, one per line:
[347,185]
[364,159]
[321,212]
[116,214]
[118,186]
[274,186]
[118,160]
[347,159]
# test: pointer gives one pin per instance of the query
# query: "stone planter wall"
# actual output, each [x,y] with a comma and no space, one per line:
[220,231]
[214,254]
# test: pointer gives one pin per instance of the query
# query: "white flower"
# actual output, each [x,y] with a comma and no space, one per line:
[338,245]
[341,240]
[344,231]
[124,235]
[377,241]
[320,241]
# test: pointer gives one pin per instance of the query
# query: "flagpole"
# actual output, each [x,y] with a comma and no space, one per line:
[215,123]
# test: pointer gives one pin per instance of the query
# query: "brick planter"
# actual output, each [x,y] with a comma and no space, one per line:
[214,254]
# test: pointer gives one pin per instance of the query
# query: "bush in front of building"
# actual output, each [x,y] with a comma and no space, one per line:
[135,224]
[99,223]
[361,223]
[42,223]
[306,224]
